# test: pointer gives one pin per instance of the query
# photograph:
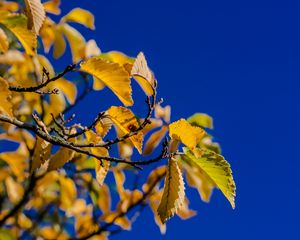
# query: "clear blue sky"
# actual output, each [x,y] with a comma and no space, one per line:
[238,61]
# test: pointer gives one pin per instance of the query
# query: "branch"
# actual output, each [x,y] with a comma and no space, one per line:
[44,84]
[39,131]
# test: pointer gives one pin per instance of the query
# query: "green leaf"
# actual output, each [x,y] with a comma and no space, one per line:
[201,120]
[216,168]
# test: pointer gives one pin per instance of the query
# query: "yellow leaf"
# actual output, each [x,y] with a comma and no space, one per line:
[173,195]
[101,171]
[103,126]
[68,192]
[12,57]
[184,132]
[5,98]
[59,46]
[217,168]
[35,13]
[14,190]
[76,42]
[62,156]
[91,49]
[142,74]
[184,212]
[153,176]
[17,24]
[81,16]
[113,75]
[48,34]
[154,123]
[163,112]
[198,179]
[44,62]
[41,153]
[9,6]
[126,121]
[3,41]
[104,199]
[24,222]
[120,58]
[52,6]
[17,161]
[67,88]
[121,221]
[154,140]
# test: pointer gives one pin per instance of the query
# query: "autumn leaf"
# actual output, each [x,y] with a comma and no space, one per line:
[184,132]
[142,74]
[5,96]
[112,75]
[81,16]
[216,167]
[201,120]
[103,126]
[154,140]
[173,195]
[3,41]
[101,168]
[14,190]
[76,42]
[61,157]
[68,192]
[59,44]
[36,15]
[41,154]
[52,6]
[17,24]
[125,120]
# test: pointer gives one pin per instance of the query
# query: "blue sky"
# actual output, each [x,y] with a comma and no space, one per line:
[239,62]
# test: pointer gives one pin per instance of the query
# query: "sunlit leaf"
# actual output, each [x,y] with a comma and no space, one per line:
[52,6]
[173,195]
[81,16]
[14,189]
[3,41]
[154,140]
[163,112]
[217,168]
[41,153]
[59,46]
[201,120]
[112,75]
[68,192]
[142,74]
[5,96]
[17,24]
[126,121]
[76,42]
[61,157]
[184,132]
[35,13]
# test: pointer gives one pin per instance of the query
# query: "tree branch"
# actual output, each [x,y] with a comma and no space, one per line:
[44,84]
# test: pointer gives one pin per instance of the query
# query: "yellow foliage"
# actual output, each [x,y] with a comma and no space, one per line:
[35,13]
[112,75]
[126,122]
[173,195]
[184,132]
